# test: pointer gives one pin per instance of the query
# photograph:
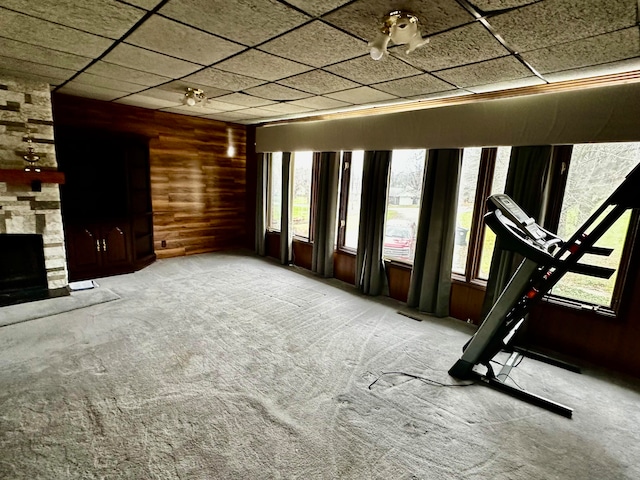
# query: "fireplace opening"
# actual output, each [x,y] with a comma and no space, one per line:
[23,275]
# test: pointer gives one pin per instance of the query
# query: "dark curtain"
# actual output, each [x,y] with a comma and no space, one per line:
[325,214]
[527,184]
[370,275]
[263,161]
[430,286]
[286,232]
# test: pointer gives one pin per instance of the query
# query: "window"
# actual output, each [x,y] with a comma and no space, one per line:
[403,205]
[275,192]
[302,190]
[484,173]
[594,172]
[350,193]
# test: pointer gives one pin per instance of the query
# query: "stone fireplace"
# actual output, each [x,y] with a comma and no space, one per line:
[31,207]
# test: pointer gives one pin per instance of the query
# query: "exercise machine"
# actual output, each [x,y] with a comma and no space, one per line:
[547,258]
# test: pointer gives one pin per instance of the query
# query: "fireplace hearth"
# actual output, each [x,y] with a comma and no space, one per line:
[23,275]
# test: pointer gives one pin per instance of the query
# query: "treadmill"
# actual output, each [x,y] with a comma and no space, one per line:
[547,258]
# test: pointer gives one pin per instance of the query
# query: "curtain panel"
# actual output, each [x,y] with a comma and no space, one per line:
[262,201]
[430,285]
[325,214]
[527,184]
[371,278]
[286,231]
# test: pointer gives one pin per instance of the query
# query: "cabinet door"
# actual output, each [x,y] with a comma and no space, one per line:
[84,251]
[115,246]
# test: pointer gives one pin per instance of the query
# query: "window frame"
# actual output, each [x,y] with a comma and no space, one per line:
[345,182]
[621,294]
[486,172]
[313,201]
[269,192]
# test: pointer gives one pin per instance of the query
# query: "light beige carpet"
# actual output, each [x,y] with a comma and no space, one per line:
[226,366]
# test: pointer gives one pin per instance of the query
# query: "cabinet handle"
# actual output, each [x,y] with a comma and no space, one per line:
[104,245]
[97,245]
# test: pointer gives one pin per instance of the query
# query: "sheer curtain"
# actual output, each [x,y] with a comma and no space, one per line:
[527,184]
[286,232]
[430,286]
[325,214]
[263,162]
[370,275]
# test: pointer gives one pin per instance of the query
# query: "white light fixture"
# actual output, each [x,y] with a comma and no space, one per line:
[401,28]
[194,96]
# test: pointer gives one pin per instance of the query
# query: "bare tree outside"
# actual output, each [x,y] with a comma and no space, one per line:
[595,171]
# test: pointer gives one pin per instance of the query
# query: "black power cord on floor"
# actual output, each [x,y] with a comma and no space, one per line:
[426,380]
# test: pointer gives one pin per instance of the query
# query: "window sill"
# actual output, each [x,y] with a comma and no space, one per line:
[398,264]
[347,250]
[476,283]
[573,305]
[303,240]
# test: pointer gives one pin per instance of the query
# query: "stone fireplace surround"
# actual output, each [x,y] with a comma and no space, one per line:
[25,106]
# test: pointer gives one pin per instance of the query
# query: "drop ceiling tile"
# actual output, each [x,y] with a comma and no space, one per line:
[90,91]
[18,26]
[185,110]
[507,85]
[257,64]
[273,91]
[111,70]
[436,96]
[216,104]
[363,17]
[18,65]
[146,4]
[8,73]
[316,44]
[317,7]
[147,61]
[259,113]
[287,108]
[42,55]
[174,91]
[318,82]
[247,22]
[111,83]
[605,48]
[554,22]
[595,71]
[412,86]
[237,115]
[320,103]
[460,46]
[229,81]
[494,5]
[174,96]
[233,117]
[366,70]
[361,95]
[144,101]
[244,100]
[483,73]
[107,18]
[171,38]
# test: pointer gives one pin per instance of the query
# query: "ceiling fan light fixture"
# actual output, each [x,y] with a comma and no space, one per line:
[401,28]
[194,96]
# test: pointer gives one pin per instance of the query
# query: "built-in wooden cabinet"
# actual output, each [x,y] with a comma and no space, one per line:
[106,202]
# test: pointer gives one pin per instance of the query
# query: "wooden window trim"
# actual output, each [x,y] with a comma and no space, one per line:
[476,235]
[344,202]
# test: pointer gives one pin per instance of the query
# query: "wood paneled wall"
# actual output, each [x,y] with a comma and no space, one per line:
[199,194]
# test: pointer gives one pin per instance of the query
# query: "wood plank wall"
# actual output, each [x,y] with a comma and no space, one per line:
[199,194]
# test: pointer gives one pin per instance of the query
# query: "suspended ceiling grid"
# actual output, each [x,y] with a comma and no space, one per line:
[265,60]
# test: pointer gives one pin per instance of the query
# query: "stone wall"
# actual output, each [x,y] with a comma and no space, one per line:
[25,107]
